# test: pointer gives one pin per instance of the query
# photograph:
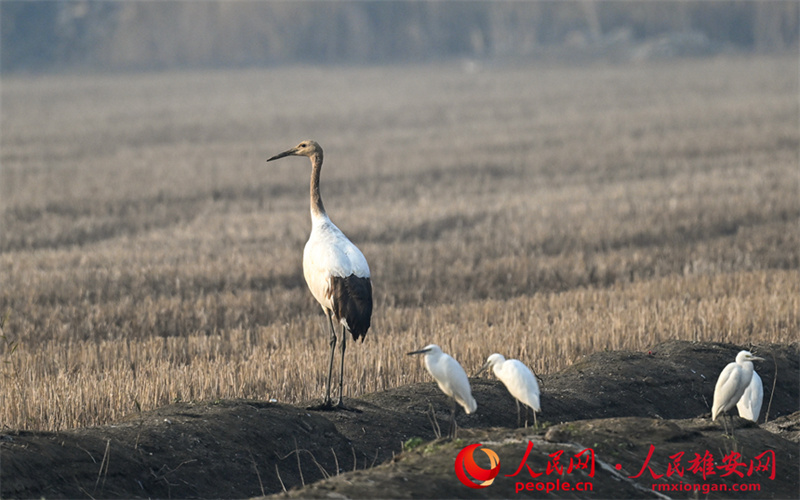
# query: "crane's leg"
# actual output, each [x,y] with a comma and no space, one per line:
[327,402]
[535,424]
[526,413]
[341,370]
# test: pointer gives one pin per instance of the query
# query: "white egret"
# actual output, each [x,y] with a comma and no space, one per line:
[749,404]
[451,378]
[335,270]
[519,380]
[731,384]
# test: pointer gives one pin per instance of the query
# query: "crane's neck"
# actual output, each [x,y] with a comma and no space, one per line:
[317,208]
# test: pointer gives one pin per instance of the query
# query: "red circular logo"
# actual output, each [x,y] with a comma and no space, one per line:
[468,472]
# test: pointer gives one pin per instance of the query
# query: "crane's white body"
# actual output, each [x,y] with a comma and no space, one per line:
[732,382]
[329,254]
[749,404]
[518,379]
[450,376]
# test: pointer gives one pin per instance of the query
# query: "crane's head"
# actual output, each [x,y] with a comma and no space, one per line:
[306,148]
[428,349]
[744,356]
[492,361]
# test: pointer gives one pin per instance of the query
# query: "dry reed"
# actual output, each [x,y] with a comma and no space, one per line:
[149,255]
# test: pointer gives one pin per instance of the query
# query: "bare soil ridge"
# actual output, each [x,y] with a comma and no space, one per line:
[617,402]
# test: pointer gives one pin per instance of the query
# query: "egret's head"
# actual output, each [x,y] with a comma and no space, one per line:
[306,148]
[492,361]
[747,356]
[428,349]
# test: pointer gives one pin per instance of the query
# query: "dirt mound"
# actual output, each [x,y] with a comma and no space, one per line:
[247,448]
[427,471]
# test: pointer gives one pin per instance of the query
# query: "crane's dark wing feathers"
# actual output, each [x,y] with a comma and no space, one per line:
[352,300]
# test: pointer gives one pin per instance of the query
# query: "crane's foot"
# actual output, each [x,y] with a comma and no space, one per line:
[330,406]
[340,406]
[326,405]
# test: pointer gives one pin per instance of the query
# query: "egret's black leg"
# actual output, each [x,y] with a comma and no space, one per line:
[526,414]
[452,432]
[724,424]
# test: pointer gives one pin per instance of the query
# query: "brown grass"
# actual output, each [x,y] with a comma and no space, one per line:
[149,254]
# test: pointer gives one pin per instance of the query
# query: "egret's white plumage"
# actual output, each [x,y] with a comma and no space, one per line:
[335,270]
[449,375]
[518,379]
[732,382]
[749,404]
[451,378]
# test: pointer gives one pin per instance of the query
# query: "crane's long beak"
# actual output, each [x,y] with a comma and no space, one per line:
[421,351]
[281,155]
[756,358]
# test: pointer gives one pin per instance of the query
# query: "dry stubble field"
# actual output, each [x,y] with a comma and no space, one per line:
[149,254]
